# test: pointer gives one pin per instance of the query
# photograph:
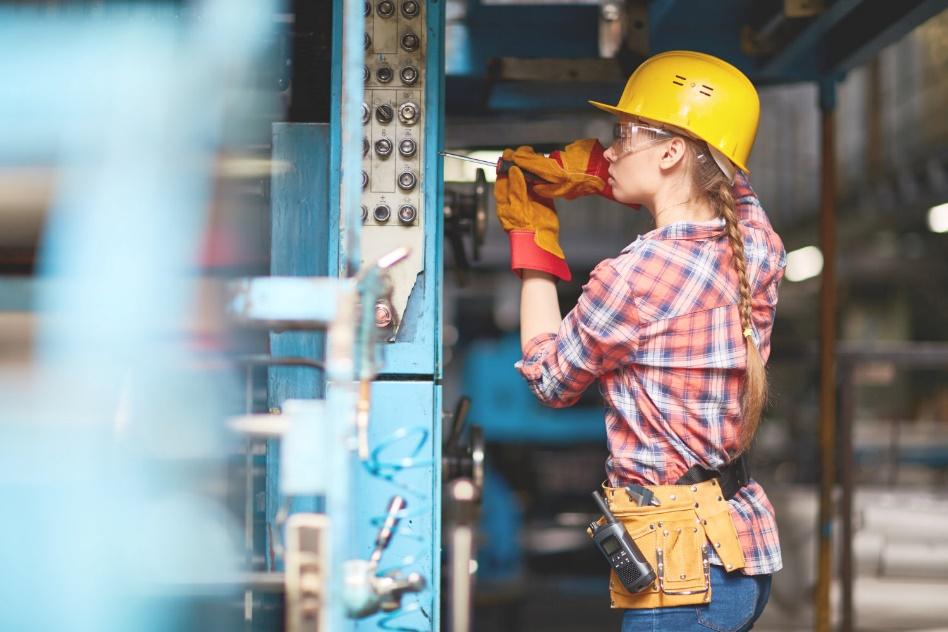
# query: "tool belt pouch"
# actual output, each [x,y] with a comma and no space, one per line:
[676,539]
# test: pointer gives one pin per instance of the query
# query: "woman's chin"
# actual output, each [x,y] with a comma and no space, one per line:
[617,194]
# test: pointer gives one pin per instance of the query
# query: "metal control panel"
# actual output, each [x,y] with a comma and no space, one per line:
[392,146]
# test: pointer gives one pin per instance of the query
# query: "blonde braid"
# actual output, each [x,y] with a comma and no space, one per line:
[755,379]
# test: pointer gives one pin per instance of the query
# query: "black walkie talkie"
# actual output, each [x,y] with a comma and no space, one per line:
[633,570]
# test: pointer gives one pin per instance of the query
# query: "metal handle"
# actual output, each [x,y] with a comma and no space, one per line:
[395,506]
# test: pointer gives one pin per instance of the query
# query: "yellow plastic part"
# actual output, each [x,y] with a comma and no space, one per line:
[701,94]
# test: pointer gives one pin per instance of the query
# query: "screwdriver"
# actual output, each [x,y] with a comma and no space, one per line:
[501,167]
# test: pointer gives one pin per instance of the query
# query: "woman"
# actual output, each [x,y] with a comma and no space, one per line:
[676,328]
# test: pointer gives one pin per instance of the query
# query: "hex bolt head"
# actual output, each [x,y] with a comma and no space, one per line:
[382,213]
[366,113]
[365,213]
[385,8]
[409,75]
[383,147]
[384,113]
[407,181]
[365,146]
[410,42]
[410,8]
[407,147]
[367,42]
[366,74]
[383,315]
[407,214]
[408,113]
[365,179]
[384,74]
[367,8]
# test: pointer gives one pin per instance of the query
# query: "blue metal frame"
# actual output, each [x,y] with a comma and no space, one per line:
[405,421]
[418,349]
[103,439]
[299,216]
[506,409]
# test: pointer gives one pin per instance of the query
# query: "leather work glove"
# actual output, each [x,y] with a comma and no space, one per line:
[578,169]
[531,224]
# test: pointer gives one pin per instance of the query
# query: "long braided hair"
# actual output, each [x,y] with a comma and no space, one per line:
[710,182]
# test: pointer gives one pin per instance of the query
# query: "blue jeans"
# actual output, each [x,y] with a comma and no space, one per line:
[736,602]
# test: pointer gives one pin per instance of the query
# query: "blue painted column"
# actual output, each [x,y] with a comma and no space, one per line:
[299,246]
[405,420]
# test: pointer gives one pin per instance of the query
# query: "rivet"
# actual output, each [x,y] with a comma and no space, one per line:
[660,523]
[682,576]
[694,488]
[704,522]
[696,529]
[720,499]
[696,505]
[651,526]
[714,481]
[665,532]
[673,497]
[730,566]
[718,545]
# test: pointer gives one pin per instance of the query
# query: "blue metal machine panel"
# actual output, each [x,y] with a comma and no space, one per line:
[405,459]
[417,348]
[508,412]
[110,437]
[299,208]
[405,422]
[299,215]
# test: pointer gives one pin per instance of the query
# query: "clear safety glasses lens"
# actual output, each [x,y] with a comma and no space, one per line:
[631,137]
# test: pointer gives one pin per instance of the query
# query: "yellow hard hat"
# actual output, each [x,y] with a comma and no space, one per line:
[699,93]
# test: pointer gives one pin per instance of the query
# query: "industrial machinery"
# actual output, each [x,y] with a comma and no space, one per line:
[261,444]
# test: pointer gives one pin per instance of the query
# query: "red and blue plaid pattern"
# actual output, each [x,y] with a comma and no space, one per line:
[659,327]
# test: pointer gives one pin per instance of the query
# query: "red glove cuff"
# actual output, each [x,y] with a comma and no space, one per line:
[525,254]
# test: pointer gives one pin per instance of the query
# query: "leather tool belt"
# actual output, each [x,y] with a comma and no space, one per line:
[732,477]
[675,537]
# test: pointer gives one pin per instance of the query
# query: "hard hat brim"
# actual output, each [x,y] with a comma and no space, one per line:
[611,109]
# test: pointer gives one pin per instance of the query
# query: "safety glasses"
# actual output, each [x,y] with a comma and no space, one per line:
[630,136]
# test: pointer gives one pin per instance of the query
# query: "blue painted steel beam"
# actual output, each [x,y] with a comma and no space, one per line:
[889,32]
[809,38]
[299,216]
[346,93]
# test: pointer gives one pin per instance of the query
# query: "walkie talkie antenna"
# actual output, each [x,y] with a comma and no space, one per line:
[604,508]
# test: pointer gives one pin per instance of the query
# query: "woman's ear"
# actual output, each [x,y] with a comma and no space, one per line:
[672,153]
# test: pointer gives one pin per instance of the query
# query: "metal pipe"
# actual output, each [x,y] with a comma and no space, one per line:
[248,493]
[262,359]
[846,419]
[463,496]
[353,92]
[827,349]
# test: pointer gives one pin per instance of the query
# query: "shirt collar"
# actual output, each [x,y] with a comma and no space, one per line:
[683,230]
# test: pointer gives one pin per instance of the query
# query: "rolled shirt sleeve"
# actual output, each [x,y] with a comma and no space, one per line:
[598,336]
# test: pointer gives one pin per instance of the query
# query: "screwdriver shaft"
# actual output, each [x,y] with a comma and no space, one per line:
[478,161]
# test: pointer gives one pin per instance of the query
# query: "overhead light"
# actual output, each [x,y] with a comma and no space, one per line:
[938,218]
[804,263]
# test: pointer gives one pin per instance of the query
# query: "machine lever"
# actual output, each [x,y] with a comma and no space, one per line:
[395,506]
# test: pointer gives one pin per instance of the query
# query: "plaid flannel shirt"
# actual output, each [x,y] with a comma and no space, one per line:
[659,327]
